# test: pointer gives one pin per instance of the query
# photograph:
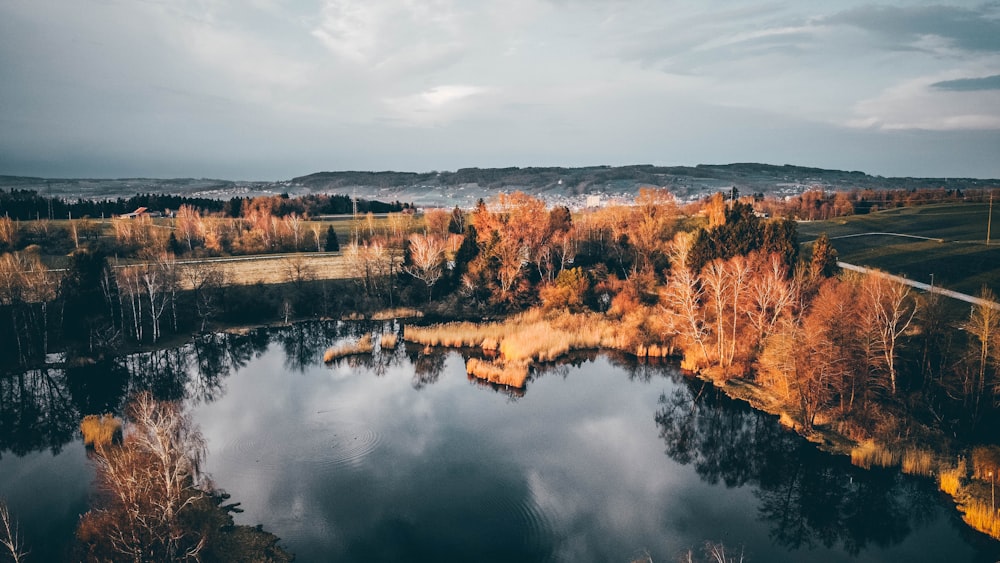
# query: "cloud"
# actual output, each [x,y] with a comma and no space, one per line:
[435,105]
[919,104]
[970,29]
[398,34]
[969,84]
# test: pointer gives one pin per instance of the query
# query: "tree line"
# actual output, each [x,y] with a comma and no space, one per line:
[28,205]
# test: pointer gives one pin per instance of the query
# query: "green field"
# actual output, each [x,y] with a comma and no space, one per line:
[959,258]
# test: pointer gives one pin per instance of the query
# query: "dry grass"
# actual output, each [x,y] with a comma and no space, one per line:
[983,517]
[364,345]
[100,430]
[918,461]
[535,336]
[388,341]
[868,453]
[397,313]
[506,374]
[272,269]
[950,480]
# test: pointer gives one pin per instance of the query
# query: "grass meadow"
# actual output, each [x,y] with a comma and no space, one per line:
[959,260]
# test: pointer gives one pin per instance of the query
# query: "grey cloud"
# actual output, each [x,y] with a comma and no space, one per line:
[969,84]
[970,29]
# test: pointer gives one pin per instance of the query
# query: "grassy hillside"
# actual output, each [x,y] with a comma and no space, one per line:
[958,256]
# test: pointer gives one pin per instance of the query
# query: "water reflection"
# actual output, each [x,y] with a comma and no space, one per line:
[391,456]
[37,412]
[808,498]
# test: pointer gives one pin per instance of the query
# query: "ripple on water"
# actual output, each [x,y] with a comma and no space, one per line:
[520,516]
[318,445]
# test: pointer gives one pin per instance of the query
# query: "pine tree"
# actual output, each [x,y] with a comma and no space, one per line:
[332,244]
[824,258]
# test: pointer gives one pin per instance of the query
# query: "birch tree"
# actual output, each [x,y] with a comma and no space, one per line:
[890,308]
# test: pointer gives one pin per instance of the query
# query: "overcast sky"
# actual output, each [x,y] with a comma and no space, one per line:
[271,89]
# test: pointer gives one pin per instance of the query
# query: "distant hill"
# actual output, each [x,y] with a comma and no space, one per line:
[463,187]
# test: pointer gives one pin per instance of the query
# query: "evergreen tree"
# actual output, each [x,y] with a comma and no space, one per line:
[456,224]
[332,244]
[824,258]
[174,246]
[781,237]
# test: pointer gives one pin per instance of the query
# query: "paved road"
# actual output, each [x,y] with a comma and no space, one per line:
[887,235]
[920,285]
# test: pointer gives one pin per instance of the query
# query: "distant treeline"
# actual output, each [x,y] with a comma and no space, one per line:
[741,175]
[25,205]
[826,204]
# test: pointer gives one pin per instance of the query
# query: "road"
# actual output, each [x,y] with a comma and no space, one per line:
[923,286]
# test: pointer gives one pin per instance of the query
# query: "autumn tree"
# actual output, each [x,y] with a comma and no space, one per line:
[436,222]
[651,225]
[188,224]
[510,232]
[823,263]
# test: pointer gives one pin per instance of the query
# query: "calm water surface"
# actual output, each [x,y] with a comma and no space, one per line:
[400,456]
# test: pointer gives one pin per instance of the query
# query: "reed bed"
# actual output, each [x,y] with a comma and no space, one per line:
[983,517]
[534,336]
[364,345]
[917,461]
[950,480]
[100,430]
[397,313]
[514,374]
[388,341]
[868,453]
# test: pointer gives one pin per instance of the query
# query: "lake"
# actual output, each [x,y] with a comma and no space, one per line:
[400,456]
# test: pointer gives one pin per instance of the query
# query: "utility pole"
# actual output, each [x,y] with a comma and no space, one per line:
[354,201]
[989,219]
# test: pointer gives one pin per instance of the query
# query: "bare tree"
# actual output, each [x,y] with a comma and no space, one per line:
[718,286]
[149,482]
[10,535]
[427,255]
[890,308]
[294,223]
[129,282]
[206,282]
[772,296]
[984,324]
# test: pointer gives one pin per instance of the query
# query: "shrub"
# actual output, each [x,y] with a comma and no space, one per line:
[986,459]
[100,430]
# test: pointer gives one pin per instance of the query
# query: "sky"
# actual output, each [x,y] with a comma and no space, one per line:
[272,89]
